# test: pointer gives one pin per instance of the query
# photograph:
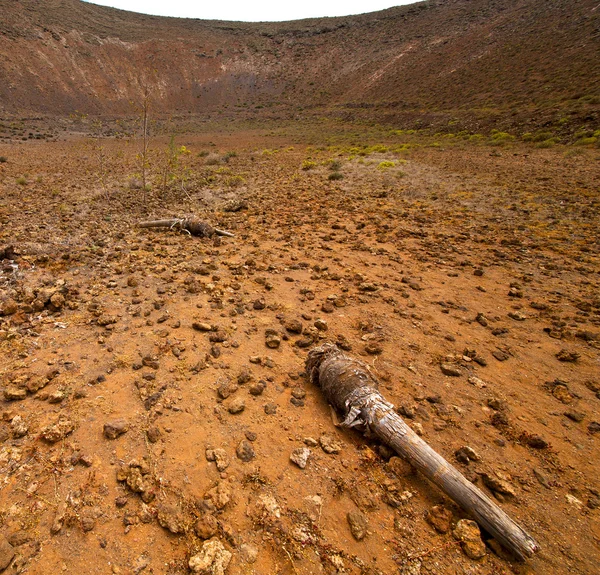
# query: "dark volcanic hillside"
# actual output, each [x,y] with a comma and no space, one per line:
[509,57]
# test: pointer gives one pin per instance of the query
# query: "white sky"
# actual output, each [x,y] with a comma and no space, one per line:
[252,11]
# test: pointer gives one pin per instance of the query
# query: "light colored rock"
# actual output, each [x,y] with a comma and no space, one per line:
[213,559]
[300,456]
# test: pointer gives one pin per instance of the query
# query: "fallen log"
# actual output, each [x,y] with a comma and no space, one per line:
[352,389]
[192,225]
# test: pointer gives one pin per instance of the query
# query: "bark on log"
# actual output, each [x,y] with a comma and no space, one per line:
[193,225]
[351,388]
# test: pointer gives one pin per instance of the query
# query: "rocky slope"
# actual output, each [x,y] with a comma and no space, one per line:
[464,59]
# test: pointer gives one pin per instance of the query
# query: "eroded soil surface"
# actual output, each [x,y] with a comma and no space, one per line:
[153,385]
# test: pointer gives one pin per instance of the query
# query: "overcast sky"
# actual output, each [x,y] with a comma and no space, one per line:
[252,11]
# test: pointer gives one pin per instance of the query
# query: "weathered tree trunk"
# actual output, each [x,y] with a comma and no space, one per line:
[193,225]
[350,387]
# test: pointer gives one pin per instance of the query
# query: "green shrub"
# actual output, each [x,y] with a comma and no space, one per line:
[335,176]
[3,159]
[586,141]
[501,136]
[546,143]
[335,165]
[542,136]
[21,181]
[385,165]
[308,165]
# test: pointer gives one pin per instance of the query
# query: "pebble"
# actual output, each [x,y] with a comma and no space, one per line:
[329,444]
[59,430]
[440,518]
[257,387]
[114,429]
[467,532]
[270,408]
[450,369]
[206,526]
[466,454]
[300,456]
[237,405]
[358,524]
[272,339]
[153,434]
[245,451]
[248,553]
[7,553]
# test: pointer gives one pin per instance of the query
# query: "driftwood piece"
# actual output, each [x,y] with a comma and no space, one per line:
[192,225]
[351,388]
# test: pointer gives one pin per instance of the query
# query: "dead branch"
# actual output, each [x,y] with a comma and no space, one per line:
[192,225]
[352,389]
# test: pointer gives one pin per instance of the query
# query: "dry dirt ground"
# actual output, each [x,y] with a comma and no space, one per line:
[153,384]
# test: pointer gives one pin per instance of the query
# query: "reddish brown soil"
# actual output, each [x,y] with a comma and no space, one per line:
[445,234]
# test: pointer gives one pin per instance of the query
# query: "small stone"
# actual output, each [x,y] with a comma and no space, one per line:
[373,348]
[248,553]
[467,532]
[8,307]
[114,429]
[218,336]
[244,376]
[53,433]
[293,326]
[245,451]
[57,301]
[206,526]
[466,454]
[226,389]
[7,553]
[500,354]
[153,434]
[272,339]
[170,518]
[221,459]
[258,304]
[567,356]
[257,387]
[201,326]
[593,427]
[327,307]
[440,518]
[329,444]
[450,369]
[300,456]
[18,427]
[213,559]
[358,524]
[561,392]
[220,495]
[270,408]
[237,405]
[321,325]
[87,523]
[498,484]
[14,393]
